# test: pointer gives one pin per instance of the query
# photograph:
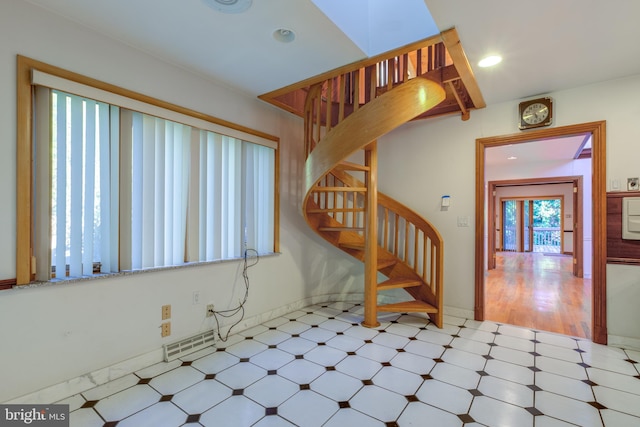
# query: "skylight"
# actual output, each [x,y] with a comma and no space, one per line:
[379,26]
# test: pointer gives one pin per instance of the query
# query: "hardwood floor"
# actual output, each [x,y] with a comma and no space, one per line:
[538,291]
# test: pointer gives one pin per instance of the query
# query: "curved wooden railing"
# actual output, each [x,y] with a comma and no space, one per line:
[370,121]
[348,112]
[407,236]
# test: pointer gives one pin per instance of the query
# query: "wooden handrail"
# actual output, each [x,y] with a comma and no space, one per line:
[412,47]
[430,267]
[365,125]
[402,232]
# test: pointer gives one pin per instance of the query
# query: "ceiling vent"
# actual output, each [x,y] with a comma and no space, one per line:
[229,6]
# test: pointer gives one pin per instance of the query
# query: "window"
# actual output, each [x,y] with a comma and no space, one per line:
[123,185]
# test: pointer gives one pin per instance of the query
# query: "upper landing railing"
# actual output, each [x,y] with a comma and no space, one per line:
[340,92]
[332,100]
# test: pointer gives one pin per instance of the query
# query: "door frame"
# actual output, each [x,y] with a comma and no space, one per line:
[576,182]
[599,204]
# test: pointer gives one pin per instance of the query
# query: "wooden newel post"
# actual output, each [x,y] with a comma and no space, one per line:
[371,238]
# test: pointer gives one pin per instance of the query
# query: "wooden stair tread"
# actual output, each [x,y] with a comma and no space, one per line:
[341,228]
[383,262]
[408,307]
[399,282]
[335,210]
[338,189]
[386,262]
[344,165]
[353,245]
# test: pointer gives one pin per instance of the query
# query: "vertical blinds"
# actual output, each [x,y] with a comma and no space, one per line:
[80,185]
[40,78]
[132,191]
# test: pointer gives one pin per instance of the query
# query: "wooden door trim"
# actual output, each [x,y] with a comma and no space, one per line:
[578,229]
[599,204]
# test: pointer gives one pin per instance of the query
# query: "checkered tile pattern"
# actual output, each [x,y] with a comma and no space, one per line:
[320,367]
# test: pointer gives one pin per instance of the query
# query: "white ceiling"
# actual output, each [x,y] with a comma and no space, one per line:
[534,152]
[236,49]
[547,45]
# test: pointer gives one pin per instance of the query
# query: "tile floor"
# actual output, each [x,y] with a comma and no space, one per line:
[319,367]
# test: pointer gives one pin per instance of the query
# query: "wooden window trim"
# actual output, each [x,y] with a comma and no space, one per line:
[25,264]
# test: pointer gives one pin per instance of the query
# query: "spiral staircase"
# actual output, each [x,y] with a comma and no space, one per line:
[345,111]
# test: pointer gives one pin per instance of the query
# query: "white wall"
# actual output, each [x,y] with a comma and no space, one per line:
[423,160]
[51,334]
[54,333]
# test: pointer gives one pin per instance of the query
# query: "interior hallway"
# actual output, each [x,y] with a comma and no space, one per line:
[538,291]
[319,367]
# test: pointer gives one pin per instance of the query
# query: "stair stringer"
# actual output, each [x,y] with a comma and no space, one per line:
[353,133]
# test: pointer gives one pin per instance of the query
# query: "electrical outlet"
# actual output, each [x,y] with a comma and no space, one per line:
[165,329]
[196,297]
[210,310]
[166,312]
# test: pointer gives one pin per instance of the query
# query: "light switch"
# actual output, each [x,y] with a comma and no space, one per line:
[615,184]
[463,221]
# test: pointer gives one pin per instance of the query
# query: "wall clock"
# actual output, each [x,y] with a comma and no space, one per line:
[535,113]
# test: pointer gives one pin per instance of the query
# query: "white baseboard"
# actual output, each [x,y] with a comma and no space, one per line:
[459,312]
[259,319]
[85,382]
[101,376]
[624,342]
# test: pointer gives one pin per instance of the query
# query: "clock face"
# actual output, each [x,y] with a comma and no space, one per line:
[535,113]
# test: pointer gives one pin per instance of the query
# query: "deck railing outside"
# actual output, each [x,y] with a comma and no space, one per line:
[545,239]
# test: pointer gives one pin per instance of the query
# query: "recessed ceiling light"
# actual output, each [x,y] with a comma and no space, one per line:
[512,158]
[229,6]
[284,35]
[490,61]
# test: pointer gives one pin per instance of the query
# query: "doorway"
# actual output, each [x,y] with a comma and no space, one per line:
[598,197]
[533,280]
[531,225]
[570,190]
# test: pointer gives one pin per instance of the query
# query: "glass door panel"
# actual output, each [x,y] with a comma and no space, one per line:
[509,225]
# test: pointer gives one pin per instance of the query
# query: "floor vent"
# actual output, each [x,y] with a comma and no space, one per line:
[188,345]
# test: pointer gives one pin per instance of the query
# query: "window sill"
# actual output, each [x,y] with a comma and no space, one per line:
[58,282]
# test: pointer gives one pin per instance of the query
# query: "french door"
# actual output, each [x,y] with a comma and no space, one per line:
[532,225]
[517,225]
